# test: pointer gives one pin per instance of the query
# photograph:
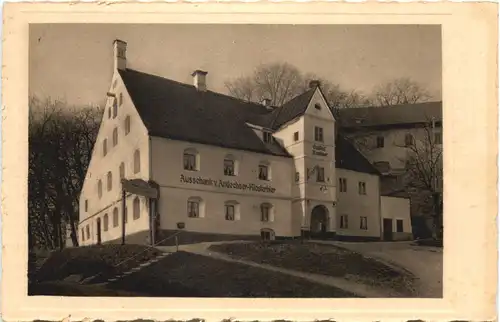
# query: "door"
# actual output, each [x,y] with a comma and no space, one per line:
[387,229]
[98,231]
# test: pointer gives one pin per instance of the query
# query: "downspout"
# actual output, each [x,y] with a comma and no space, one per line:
[380,221]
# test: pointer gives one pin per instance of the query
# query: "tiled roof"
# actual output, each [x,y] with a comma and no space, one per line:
[179,111]
[349,158]
[392,115]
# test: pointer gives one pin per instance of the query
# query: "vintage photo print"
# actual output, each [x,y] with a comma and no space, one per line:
[189,162]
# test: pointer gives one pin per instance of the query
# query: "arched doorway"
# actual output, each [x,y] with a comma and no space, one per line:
[319,220]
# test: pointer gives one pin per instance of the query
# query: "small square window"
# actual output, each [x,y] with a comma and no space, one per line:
[363,224]
[230,212]
[362,188]
[399,225]
[438,138]
[320,174]
[317,106]
[193,209]
[228,167]
[127,125]
[189,161]
[268,137]
[343,184]
[380,142]
[409,140]
[318,134]
[263,172]
[296,136]
[344,223]
[265,212]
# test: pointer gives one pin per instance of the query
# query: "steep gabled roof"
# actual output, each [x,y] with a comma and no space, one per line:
[292,109]
[409,114]
[179,111]
[349,158]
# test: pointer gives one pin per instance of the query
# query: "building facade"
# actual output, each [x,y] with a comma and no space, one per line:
[223,168]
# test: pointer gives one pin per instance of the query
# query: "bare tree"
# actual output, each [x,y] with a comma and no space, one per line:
[400,91]
[280,82]
[61,139]
[424,172]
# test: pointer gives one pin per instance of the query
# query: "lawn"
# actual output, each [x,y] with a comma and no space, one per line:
[184,274]
[321,259]
[91,261]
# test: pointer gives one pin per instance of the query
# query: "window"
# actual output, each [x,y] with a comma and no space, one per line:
[317,106]
[296,136]
[265,212]
[88,231]
[136,211]
[110,181]
[268,137]
[297,176]
[399,225]
[115,137]
[106,222]
[120,100]
[263,172]
[318,134]
[438,138]
[105,147]
[363,224]
[83,235]
[127,125]
[409,140]
[380,142]
[343,184]
[126,214]
[344,222]
[320,174]
[362,188]
[115,217]
[86,205]
[228,166]
[122,170]
[137,161]
[99,188]
[115,107]
[193,208]
[190,163]
[229,210]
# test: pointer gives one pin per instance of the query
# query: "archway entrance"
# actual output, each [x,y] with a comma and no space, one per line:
[319,221]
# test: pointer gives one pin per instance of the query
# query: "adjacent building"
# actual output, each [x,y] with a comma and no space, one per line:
[225,168]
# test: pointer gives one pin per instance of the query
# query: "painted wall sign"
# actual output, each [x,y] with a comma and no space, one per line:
[227,184]
[319,150]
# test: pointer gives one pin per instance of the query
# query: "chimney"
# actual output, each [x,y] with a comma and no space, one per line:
[200,80]
[314,83]
[120,54]
[266,102]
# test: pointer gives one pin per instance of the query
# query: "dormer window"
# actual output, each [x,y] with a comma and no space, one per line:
[268,137]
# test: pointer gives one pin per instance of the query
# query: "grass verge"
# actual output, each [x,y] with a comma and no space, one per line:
[184,274]
[322,259]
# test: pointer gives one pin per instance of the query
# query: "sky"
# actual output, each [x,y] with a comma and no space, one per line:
[74,62]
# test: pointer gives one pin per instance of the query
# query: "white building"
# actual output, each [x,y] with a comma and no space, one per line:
[225,169]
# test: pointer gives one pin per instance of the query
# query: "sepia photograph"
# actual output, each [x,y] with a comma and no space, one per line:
[245,161]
